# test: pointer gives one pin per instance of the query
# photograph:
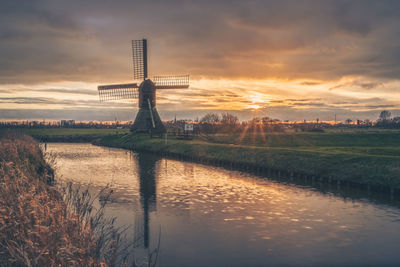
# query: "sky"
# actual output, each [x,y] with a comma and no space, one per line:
[291,60]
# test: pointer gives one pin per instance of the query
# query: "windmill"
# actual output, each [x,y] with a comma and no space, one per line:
[147,118]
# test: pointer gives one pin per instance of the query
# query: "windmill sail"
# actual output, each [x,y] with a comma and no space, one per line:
[139,53]
[171,81]
[118,91]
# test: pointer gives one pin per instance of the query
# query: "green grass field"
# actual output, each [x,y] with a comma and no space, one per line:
[367,157]
[347,138]
[72,131]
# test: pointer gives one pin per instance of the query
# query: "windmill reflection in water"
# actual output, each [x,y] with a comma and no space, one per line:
[147,180]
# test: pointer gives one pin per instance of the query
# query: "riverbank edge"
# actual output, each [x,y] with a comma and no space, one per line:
[67,138]
[28,192]
[267,164]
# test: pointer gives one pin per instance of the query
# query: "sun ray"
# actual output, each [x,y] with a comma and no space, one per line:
[246,127]
[262,133]
[255,130]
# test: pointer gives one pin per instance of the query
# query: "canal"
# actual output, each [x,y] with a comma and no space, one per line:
[207,216]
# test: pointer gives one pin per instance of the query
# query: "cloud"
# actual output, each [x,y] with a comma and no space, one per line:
[302,99]
[358,84]
[310,83]
[89,41]
[67,91]
[287,56]
[27,100]
[88,114]
[45,101]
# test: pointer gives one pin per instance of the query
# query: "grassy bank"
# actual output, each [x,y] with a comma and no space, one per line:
[361,157]
[70,134]
[41,226]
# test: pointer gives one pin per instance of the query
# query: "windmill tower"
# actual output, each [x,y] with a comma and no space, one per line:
[147,118]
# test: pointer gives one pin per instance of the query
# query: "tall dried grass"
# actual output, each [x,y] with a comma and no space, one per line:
[43,226]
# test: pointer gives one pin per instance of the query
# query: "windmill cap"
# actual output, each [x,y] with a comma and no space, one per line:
[147,85]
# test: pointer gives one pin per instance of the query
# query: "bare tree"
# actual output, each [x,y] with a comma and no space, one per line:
[348,121]
[266,120]
[210,118]
[385,115]
[229,119]
[209,123]
[255,120]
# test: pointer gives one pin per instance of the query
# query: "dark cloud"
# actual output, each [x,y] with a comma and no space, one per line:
[233,95]
[380,106]
[222,100]
[309,104]
[75,114]
[45,40]
[357,84]
[27,100]
[310,83]
[302,99]
[67,91]
[370,85]
[42,101]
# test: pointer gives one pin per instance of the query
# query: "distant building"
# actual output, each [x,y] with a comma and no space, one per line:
[66,123]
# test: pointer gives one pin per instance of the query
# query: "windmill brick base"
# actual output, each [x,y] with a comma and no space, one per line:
[144,122]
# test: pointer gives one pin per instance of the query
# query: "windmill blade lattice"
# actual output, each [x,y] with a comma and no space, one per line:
[118,91]
[171,81]
[139,54]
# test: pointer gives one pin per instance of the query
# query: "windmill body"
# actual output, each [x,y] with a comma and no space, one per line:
[147,118]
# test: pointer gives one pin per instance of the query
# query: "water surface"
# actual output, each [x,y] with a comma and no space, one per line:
[208,216]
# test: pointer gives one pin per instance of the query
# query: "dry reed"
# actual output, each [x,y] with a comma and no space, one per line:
[43,226]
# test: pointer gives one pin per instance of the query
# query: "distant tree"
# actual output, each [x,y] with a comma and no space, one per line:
[210,118]
[229,119]
[385,115]
[209,123]
[396,120]
[348,121]
[265,119]
[255,120]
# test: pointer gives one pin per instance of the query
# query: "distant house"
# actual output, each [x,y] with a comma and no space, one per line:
[67,123]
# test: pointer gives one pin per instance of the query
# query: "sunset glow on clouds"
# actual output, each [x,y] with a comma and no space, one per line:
[286,59]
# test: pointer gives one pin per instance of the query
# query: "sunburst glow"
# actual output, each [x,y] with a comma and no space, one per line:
[254,106]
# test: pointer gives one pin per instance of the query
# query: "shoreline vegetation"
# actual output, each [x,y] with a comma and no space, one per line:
[70,134]
[45,225]
[369,158]
[335,157]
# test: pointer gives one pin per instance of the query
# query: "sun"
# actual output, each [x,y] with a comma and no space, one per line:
[254,106]
[256,102]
